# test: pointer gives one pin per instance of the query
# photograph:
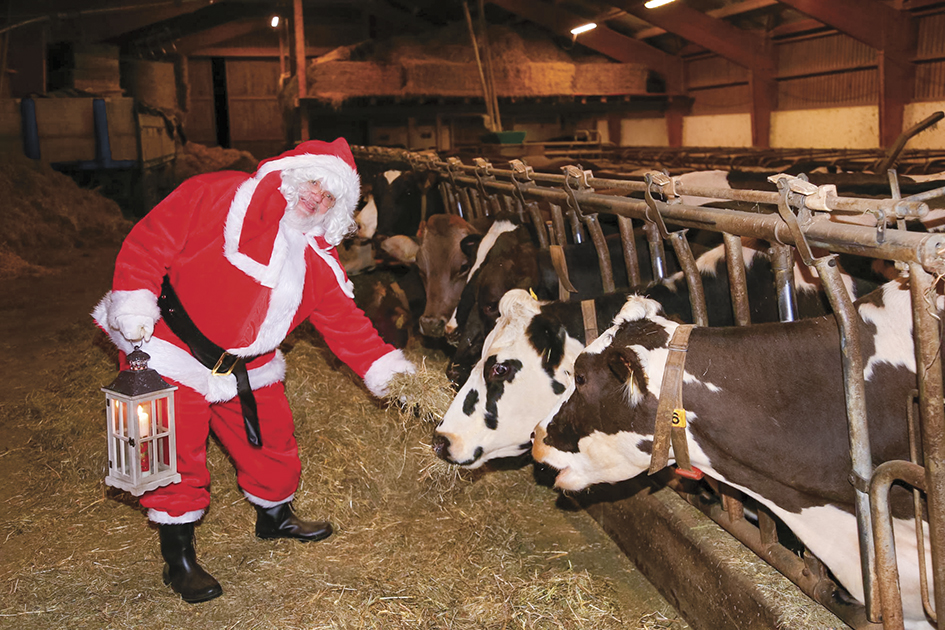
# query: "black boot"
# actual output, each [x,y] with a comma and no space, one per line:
[281,522]
[181,570]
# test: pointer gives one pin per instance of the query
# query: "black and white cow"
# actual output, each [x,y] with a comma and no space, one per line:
[526,360]
[765,414]
[518,374]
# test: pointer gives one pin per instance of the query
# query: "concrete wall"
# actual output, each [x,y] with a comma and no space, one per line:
[830,128]
[726,130]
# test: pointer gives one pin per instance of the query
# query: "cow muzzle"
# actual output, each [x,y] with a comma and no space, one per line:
[432,326]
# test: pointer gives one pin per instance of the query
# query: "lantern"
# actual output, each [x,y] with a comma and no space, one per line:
[142,444]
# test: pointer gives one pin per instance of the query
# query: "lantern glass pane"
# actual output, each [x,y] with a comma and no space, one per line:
[121,436]
[162,443]
[145,419]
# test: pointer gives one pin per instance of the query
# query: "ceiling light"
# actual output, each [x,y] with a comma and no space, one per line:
[577,30]
[652,4]
[274,22]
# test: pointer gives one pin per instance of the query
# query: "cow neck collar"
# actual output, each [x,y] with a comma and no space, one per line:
[670,414]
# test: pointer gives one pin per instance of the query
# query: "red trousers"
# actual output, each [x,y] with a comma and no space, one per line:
[270,472]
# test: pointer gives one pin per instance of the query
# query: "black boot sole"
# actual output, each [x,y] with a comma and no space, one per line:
[291,537]
[204,597]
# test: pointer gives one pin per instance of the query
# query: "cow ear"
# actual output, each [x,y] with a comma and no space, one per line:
[470,246]
[625,365]
[421,228]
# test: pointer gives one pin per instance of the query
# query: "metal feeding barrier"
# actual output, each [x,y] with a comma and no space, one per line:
[798,215]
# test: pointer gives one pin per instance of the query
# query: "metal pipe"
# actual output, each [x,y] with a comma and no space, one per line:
[855,390]
[603,252]
[576,230]
[657,252]
[687,261]
[782,262]
[557,217]
[535,213]
[926,321]
[630,258]
[738,283]
[887,569]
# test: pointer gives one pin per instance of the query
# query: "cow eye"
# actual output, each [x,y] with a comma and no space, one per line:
[579,379]
[490,309]
[499,370]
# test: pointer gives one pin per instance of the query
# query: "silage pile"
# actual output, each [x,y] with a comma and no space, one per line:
[45,215]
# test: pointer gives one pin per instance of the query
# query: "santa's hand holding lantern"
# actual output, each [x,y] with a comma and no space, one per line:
[209,283]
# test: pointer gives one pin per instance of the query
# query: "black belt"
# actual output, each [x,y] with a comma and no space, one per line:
[211,356]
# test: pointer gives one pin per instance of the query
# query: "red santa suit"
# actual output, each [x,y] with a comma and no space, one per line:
[246,278]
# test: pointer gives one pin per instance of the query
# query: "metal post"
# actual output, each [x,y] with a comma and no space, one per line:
[782,262]
[855,390]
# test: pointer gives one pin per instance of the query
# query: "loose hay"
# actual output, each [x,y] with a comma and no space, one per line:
[406,555]
[426,394]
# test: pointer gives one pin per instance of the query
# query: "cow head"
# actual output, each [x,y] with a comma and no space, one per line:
[602,429]
[444,263]
[524,369]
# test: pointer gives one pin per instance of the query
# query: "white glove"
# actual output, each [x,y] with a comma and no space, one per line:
[136,327]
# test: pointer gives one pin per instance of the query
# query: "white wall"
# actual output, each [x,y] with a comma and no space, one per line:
[932,138]
[831,128]
[643,132]
[726,130]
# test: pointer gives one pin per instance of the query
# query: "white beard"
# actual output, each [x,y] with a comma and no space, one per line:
[305,223]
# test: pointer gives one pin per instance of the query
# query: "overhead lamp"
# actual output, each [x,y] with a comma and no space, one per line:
[583,28]
[652,4]
[275,21]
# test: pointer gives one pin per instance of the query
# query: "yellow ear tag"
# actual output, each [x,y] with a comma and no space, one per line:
[679,418]
[532,293]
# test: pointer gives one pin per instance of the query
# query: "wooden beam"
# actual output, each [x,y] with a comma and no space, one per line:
[301,67]
[258,52]
[739,46]
[213,36]
[872,22]
[110,22]
[601,39]
[731,10]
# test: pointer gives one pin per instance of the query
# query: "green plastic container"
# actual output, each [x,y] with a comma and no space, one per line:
[504,137]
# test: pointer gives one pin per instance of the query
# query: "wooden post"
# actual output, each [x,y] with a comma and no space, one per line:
[300,66]
[674,120]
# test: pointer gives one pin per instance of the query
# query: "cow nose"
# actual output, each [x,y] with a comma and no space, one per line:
[432,326]
[441,446]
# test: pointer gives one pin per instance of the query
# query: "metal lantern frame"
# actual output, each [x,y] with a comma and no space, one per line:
[142,441]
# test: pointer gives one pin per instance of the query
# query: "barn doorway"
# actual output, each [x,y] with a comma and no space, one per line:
[220,107]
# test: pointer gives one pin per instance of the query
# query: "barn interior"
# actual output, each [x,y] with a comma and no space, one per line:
[499,106]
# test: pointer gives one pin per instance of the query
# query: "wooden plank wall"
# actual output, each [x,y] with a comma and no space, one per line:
[255,118]
[200,125]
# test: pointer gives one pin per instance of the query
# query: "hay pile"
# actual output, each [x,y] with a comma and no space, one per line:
[195,159]
[45,215]
[487,550]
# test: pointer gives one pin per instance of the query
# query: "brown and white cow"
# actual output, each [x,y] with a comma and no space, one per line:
[765,414]
[443,263]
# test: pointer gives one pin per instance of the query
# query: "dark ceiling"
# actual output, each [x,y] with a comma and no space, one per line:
[187,26]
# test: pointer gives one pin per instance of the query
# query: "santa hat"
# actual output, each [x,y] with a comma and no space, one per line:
[252,225]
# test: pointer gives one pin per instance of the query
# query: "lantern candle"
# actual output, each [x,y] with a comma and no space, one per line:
[144,430]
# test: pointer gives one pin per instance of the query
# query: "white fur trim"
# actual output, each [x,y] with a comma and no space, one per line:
[284,299]
[120,303]
[266,504]
[178,364]
[381,371]
[347,287]
[163,518]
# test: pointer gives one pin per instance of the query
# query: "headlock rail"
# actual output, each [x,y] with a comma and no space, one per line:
[810,219]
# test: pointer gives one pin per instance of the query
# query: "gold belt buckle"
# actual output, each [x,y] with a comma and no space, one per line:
[216,367]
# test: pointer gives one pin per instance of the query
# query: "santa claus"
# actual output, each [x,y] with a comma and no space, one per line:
[209,283]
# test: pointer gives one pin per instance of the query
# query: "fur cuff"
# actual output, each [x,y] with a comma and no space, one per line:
[163,518]
[266,504]
[382,371]
[140,302]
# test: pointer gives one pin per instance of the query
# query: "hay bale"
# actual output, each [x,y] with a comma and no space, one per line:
[195,159]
